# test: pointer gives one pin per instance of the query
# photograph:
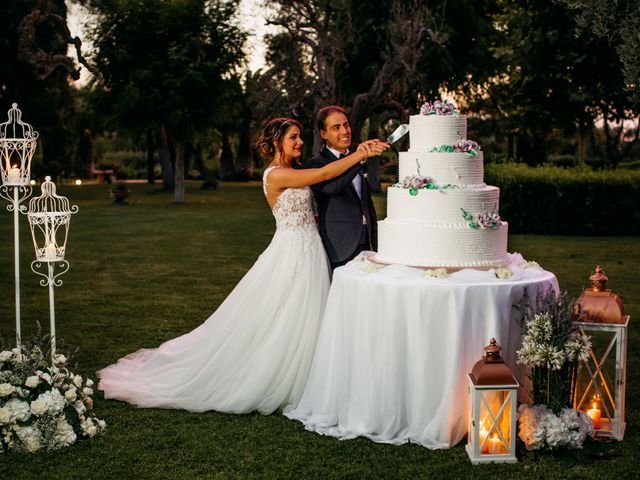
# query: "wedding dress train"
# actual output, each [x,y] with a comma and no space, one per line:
[254,352]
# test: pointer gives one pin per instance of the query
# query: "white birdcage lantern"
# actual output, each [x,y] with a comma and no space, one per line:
[18,143]
[599,387]
[493,395]
[49,218]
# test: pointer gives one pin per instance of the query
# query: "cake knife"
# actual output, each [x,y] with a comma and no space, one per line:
[398,133]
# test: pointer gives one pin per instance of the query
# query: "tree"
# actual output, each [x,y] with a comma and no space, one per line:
[554,81]
[47,102]
[167,65]
[619,23]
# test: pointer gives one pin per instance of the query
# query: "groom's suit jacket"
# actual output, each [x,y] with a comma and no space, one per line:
[341,209]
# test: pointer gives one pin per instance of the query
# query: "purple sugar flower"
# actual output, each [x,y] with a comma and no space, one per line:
[467,146]
[406,183]
[488,219]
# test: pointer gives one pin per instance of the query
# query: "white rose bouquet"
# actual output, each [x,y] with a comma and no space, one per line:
[43,407]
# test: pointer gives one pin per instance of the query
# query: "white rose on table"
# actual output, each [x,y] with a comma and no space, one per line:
[89,382]
[70,395]
[77,381]
[87,391]
[39,406]
[32,381]
[6,389]
[5,355]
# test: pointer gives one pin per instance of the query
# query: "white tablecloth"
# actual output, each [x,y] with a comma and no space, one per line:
[396,345]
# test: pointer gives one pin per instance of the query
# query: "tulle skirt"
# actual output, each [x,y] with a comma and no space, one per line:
[253,353]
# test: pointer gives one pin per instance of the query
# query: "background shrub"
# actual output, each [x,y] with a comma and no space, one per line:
[570,201]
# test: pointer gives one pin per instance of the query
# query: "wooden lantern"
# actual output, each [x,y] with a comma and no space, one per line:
[493,394]
[600,381]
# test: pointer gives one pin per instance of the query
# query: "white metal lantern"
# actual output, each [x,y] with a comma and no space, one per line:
[493,395]
[599,388]
[18,143]
[49,217]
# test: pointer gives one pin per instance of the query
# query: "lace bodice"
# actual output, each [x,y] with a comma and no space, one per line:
[294,206]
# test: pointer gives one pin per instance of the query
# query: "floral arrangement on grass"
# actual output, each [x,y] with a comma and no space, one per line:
[552,348]
[42,406]
[438,108]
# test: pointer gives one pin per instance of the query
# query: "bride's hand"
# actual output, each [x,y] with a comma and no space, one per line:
[373,147]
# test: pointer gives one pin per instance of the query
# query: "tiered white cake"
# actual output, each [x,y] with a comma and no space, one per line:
[441,213]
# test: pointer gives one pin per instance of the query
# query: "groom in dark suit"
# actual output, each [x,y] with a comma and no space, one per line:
[348,222]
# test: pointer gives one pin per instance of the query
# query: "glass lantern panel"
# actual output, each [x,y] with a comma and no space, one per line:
[595,387]
[495,422]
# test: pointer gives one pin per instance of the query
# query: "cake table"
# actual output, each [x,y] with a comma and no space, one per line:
[395,347]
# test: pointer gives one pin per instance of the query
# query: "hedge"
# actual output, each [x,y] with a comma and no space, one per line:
[569,201]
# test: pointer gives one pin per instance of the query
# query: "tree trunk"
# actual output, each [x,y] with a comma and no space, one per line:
[227,166]
[245,152]
[164,154]
[179,172]
[151,176]
[209,181]
[87,154]
[582,145]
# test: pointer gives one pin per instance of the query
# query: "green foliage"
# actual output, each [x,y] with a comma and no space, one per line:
[553,200]
[166,63]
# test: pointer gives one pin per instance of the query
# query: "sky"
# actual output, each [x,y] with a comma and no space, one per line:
[251,18]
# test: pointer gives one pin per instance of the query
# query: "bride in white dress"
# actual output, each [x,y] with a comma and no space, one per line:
[254,352]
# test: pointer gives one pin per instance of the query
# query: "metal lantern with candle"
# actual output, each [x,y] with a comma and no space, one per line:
[599,387]
[18,143]
[493,392]
[49,218]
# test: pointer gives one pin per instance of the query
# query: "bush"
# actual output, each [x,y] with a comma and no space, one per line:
[553,200]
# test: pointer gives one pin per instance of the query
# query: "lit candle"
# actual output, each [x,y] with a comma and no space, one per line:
[595,414]
[483,435]
[50,251]
[14,175]
[494,445]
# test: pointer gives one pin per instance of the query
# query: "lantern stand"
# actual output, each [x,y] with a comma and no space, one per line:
[601,312]
[47,214]
[493,399]
[18,143]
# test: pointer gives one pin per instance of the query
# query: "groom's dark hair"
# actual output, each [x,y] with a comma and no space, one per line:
[324,112]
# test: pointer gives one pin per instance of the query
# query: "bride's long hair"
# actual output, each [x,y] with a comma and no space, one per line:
[270,141]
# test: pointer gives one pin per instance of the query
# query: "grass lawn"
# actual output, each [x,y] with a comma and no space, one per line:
[148,271]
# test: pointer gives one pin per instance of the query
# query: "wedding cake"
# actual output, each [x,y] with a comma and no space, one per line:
[441,213]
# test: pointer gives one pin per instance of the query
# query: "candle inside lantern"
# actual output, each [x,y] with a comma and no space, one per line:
[494,445]
[595,415]
[483,435]
[13,176]
[50,251]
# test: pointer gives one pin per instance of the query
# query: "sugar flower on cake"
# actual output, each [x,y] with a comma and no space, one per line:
[467,146]
[438,108]
[487,219]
